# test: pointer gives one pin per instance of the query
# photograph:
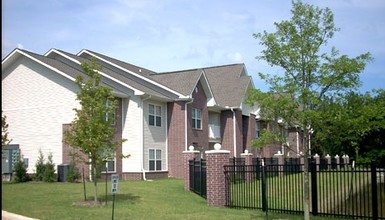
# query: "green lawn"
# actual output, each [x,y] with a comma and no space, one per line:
[158,199]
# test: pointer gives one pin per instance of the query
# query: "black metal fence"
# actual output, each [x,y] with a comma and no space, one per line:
[338,190]
[198,176]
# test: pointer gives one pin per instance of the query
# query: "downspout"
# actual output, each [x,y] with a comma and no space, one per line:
[142,135]
[234,132]
[185,123]
[297,139]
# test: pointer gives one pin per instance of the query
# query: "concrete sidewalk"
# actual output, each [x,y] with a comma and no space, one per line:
[10,216]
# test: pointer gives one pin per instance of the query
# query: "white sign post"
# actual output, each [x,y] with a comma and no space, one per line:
[114,190]
[114,183]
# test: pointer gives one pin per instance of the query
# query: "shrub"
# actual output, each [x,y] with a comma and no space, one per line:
[49,170]
[20,171]
[40,166]
[73,172]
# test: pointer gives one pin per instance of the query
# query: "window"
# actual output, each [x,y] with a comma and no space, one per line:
[112,115]
[110,164]
[196,118]
[155,115]
[155,159]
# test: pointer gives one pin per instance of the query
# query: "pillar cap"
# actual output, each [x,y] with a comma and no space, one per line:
[217,152]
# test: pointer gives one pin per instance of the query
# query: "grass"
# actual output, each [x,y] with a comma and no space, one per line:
[159,199]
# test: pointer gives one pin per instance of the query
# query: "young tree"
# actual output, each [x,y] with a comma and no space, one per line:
[92,131]
[4,130]
[309,72]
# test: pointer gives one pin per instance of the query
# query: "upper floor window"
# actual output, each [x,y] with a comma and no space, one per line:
[111,116]
[196,118]
[155,115]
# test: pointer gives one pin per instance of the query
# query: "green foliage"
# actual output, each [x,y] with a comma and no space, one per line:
[20,171]
[73,172]
[40,166]
[4,130]
[353,124]
[92,131]
[49,170]
[268,137]
[309,75]
[45,171]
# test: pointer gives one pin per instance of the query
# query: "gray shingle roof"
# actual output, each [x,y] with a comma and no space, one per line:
[228,84]
[181,81]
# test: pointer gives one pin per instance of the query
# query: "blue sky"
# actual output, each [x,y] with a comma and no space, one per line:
[168,35]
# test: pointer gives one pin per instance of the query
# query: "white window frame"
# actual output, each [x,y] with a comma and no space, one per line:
[157,115]
[195,118]
[157,153]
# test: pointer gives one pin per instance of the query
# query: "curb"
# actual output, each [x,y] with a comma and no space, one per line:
[10,216]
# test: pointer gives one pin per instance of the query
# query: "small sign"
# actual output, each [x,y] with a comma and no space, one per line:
[114,183]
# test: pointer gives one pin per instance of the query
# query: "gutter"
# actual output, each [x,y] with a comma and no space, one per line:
[234,131]
[142,135]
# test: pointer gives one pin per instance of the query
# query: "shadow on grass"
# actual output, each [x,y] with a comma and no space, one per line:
[126,198]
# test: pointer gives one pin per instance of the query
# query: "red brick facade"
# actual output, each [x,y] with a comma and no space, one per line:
[176,137]
[249,131]
[227,131]
[215,160]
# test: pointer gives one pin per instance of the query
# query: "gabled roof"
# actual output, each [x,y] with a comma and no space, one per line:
[225,86]
[229,84]
[138,74]
[123,79]
[59,67]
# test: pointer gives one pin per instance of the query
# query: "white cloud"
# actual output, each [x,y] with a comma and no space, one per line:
[235,57]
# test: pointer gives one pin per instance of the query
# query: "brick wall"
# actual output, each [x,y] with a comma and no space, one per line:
[227,131]
[198,137]
[176,138]
[248,131]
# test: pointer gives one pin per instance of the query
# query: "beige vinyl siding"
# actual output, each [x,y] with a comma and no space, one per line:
[154,136]
[37,102]
[132,133]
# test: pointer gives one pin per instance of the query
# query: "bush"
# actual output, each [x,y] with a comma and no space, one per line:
[40,167]
[49,170]
[45,171]
[73,172]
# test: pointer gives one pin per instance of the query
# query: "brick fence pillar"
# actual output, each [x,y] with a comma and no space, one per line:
[187,156]
[248,164]
[216,188]
[281,162]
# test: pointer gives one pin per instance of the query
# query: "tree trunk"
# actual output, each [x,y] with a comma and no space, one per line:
[306,199]
[306,185]
[95,180]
